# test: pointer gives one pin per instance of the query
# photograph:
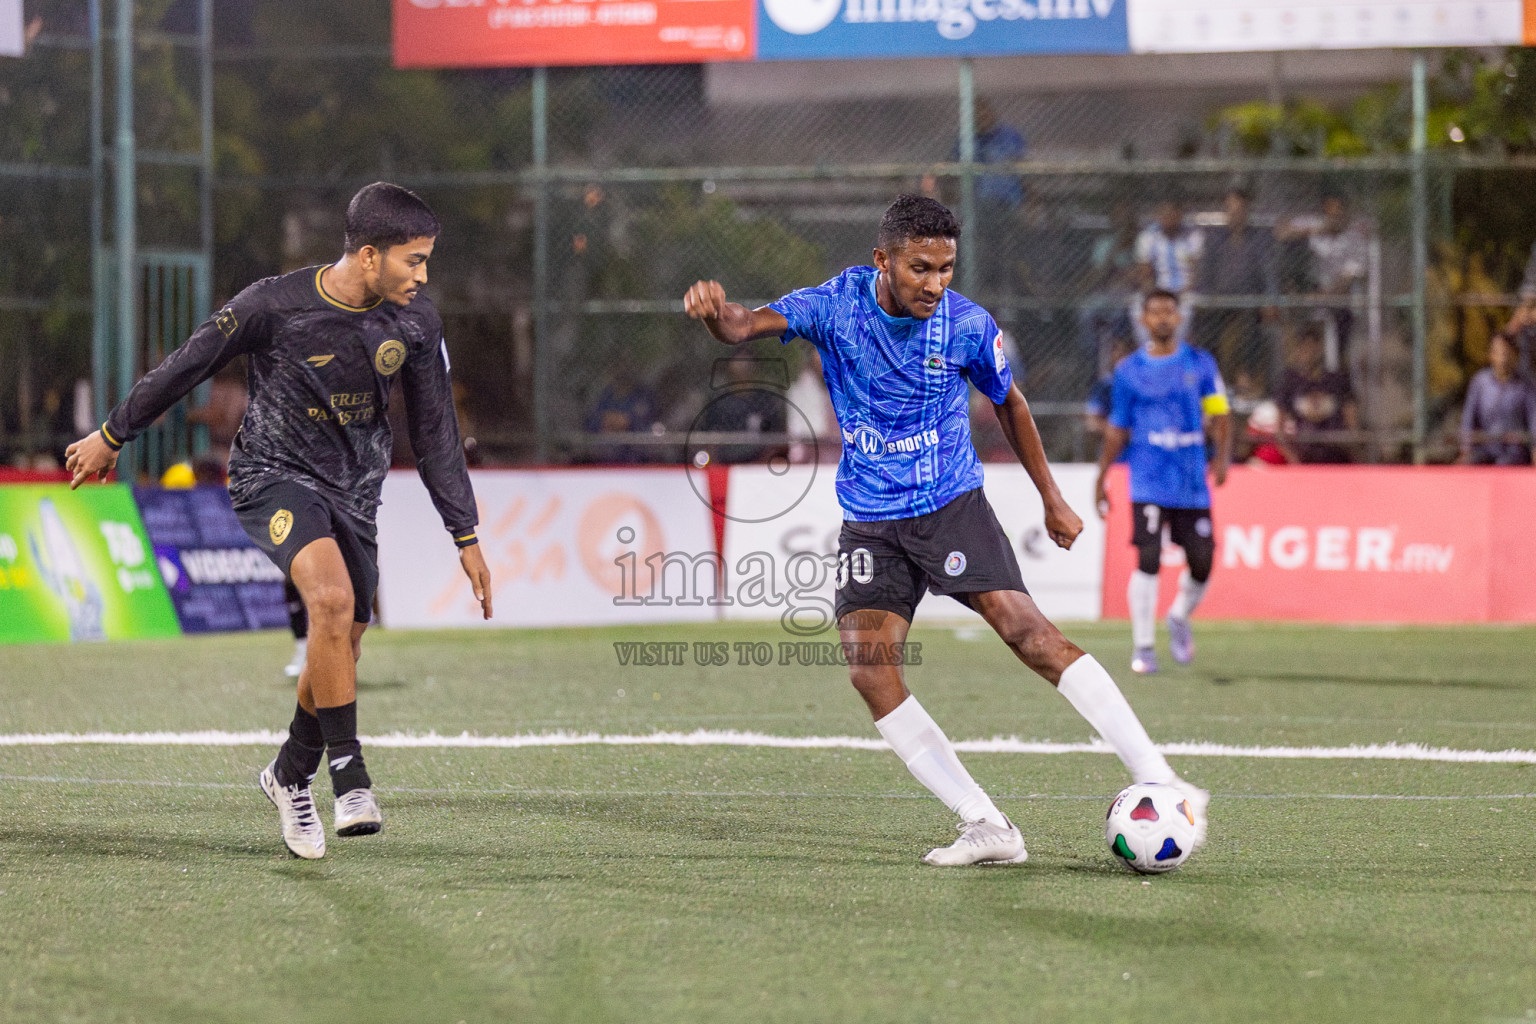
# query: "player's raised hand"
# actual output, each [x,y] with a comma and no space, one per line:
[705,300]
[1062,524]
[479,575]
[89,457]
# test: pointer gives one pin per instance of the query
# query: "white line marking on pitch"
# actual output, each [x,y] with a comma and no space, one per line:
[730,794]
[732,738]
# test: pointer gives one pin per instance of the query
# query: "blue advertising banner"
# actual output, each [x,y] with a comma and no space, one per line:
[831,29]
[219,581]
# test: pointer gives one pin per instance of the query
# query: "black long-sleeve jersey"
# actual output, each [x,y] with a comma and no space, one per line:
[320,375]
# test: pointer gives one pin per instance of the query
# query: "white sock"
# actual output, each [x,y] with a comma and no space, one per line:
[1189,597]
[1141,595]
[1094,694]
[928,755]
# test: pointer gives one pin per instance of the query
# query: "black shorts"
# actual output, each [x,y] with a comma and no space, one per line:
[1186,526]
[284,518]
[959,550]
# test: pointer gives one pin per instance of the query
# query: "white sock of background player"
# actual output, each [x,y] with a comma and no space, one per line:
[926,751]
[1189,597]
[1094,694]
[1141,595]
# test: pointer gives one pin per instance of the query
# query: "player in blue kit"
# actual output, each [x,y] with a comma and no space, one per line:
[899,353]
[1165,398]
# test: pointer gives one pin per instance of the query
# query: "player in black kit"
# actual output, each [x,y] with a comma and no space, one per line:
[324,346]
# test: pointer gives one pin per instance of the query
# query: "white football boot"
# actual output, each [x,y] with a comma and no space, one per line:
[981,842]
[357,813]
[302,832]
[1198,800]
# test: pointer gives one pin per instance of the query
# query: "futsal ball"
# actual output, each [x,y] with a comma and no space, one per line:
[1150,827]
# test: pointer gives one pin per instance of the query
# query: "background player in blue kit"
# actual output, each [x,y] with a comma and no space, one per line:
[1165,398]
[899,352]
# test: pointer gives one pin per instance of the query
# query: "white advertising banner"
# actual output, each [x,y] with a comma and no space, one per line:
[565,548]
[12,34]
[1213,26]
[787,524]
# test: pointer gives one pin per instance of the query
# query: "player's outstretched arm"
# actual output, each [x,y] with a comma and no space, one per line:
[479,575]
[89,458]
[1018,424]
[237,328]
[731,322]
[1114,443]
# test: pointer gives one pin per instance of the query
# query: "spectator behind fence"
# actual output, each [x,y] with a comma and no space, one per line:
[222,414]
[1238,259]
[1340,253]
[1111,287]
[1169,254]
[997,142]
[626,405]
[1261,444]
[1500,414]
[749,404]
[1522,326]
[1314,402]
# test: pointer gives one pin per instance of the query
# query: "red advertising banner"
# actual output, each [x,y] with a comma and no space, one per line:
[1355,544]
[514,33]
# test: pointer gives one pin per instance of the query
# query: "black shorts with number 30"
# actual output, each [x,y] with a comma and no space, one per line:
[285,517]
[958,550]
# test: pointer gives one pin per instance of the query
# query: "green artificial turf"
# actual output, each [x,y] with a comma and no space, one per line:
[651,883]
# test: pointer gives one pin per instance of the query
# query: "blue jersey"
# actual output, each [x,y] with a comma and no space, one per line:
[900,388]
[1162,402]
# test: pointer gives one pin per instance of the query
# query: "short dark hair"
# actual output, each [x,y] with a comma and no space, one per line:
[913,216]
[383,215]
[1158,293]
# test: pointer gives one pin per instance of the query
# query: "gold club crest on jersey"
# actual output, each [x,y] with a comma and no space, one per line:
[282,522]
[389,357]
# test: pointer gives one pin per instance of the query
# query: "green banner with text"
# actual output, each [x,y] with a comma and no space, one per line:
[76,565]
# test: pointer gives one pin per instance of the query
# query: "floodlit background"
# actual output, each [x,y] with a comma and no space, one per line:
[579,202]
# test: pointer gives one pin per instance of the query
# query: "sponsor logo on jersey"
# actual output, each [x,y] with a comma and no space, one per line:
[1173,440]
[998,355]
[225,321]
[934,365]
[282,522]
[319,361]
[389,357]
[954,565]
[869,441]
[873,443]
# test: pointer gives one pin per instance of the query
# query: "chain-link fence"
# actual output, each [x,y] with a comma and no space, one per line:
[579,204]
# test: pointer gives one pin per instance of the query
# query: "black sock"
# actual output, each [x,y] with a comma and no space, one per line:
[299,758]
[298,617]
[343,752]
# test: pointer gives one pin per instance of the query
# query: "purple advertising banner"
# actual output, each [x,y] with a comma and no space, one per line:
[219,581]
